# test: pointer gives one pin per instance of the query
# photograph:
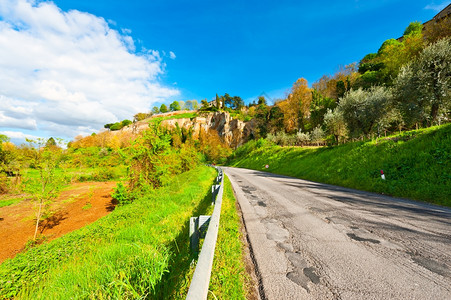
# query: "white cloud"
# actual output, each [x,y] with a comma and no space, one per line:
[437,7]
[172,55]
[18,137]
[68,71]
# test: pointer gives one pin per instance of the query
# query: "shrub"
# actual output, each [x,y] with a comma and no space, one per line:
[121,195]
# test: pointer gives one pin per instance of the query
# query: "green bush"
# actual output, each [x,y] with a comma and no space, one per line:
[121,195]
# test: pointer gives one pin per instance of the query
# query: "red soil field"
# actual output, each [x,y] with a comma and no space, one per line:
[77,206]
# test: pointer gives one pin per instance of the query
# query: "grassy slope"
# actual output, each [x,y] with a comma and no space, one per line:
[229,279]
[416,164]
[124,255]
[139,250]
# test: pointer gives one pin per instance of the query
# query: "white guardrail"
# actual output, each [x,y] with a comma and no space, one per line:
[198,288]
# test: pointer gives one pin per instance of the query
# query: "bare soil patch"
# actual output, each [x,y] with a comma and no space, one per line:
[77,206]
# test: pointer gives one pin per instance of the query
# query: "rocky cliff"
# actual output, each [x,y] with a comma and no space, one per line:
[233,131]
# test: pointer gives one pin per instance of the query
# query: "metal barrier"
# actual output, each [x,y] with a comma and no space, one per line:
[198,288]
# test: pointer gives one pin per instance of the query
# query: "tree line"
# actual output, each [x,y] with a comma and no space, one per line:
[405,85]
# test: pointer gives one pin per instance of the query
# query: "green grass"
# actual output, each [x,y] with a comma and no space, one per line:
[229,279]
[179,116]
[10,201]
[134,252]
[417,164]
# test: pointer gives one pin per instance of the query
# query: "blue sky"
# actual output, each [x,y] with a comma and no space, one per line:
[70,66]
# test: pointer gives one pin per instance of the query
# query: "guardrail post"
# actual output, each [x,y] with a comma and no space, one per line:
[193,235]
[214,192]
[197,229]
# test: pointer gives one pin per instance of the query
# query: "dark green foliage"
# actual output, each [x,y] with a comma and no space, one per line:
[126,123]
[275,119]
[163,108]
[121,195]
[319,106]
[174,106]
[117,125]
[261,118]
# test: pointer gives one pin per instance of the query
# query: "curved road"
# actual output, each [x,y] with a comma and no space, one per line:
[317,241]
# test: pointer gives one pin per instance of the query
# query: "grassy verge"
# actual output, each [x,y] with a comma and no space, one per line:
[417,164]
[229,279]
[127,254]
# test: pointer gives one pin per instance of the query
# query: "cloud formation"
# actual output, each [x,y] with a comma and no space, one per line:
[68,73]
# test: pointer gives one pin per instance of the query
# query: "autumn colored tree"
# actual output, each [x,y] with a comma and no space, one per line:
[141,116]
[337,85]
[296,108]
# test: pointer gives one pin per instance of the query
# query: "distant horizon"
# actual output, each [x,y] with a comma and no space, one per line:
[71,66]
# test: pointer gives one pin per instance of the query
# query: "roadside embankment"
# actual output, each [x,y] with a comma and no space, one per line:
[416,164]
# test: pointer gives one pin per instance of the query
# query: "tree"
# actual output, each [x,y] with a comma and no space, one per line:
[195,104]
[50,142]
[45,188]
[228,101]
[423,87]
[108,126]
[363,109]
[296,108]
[237,103]
[218,102]
[204,104]
[317,135]
[189,105]
[163,108]
[116,126]
[334,86]
[141,116]
[261,117]
[155,110]
[174,106]
[413,28]
[319,106]
[125,123]
[275,120]
[335,123]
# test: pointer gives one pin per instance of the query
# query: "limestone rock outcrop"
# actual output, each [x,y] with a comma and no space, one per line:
[234,132]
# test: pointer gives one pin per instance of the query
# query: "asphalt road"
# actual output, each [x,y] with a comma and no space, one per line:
[317,241]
